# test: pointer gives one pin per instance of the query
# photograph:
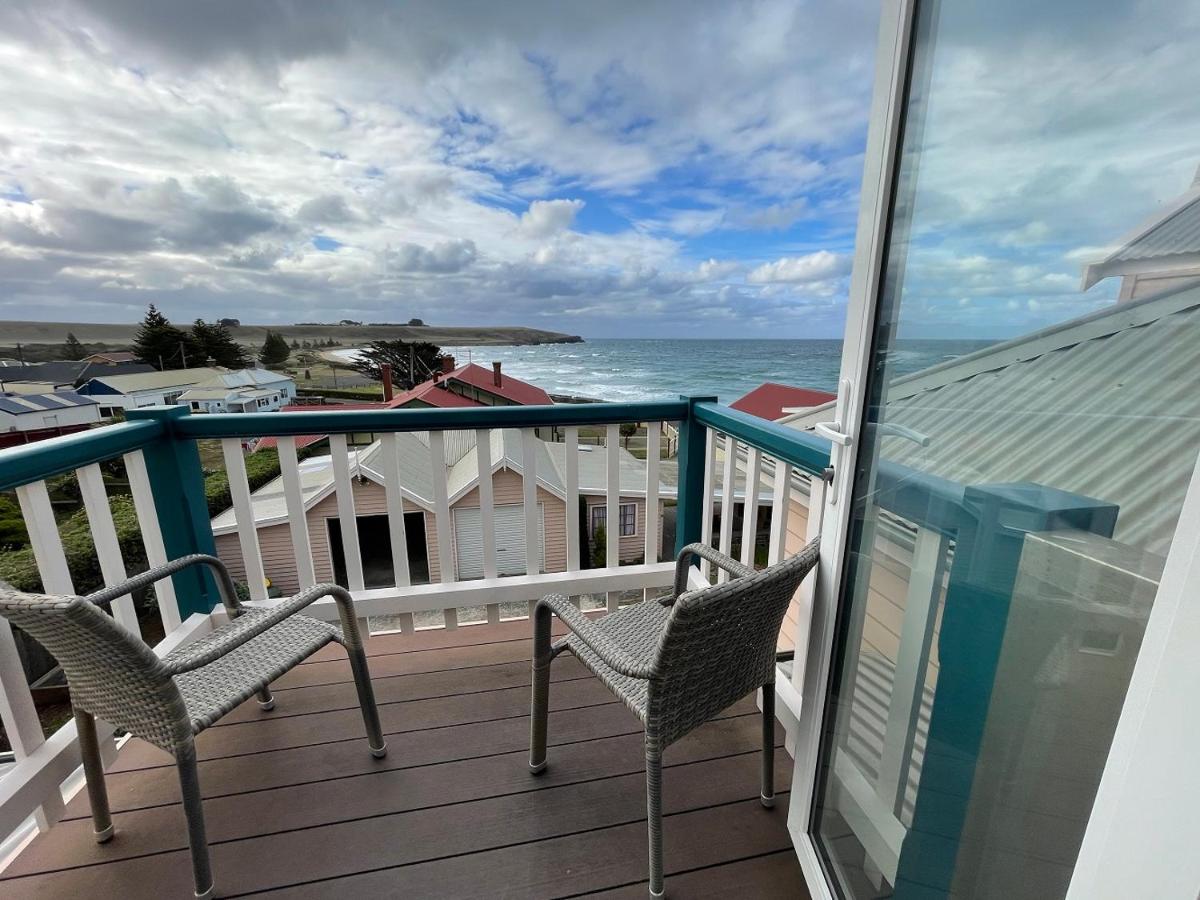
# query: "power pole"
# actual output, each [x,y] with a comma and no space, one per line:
[20,355]
[183,354]
[411,380]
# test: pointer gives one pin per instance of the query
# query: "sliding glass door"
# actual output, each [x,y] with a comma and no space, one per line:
[1005,514]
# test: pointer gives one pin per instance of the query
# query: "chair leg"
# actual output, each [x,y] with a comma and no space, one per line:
[767,795]
[366,699]
[193,810]
[654,816]
[93,770]
[266,700]
[539,710]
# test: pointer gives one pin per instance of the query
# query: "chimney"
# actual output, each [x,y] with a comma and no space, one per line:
[447,365]
[385,371]
[497,378]
[437,377]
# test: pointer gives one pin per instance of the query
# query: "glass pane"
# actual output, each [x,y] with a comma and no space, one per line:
[1014,504]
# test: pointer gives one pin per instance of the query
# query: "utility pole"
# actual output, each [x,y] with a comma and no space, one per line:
[183,354]
[411,380]
[20,355]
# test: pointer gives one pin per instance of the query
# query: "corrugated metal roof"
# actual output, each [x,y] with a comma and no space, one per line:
[1108,412]
[1178,232]
[147,381]
[20,404]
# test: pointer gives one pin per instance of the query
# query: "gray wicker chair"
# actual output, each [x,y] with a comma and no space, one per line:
[167,702]
[677,663]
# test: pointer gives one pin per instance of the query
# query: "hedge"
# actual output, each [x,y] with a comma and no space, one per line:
[18,568]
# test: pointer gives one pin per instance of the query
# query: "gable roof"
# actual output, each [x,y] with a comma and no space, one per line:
[111,356]
[154,380]
[770,399]
[1169,238]
[512,389]
[245,378]
[1105,405]
[69,371]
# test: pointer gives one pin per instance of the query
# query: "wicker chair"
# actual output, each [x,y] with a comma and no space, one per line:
[677,663]
[167,702]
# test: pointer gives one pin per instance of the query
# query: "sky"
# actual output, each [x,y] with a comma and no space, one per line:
[617,169]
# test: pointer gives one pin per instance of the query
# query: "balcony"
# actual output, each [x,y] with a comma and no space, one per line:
[293,805]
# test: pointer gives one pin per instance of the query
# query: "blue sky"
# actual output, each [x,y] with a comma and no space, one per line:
[683,169]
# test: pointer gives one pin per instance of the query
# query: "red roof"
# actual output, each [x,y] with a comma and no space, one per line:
[307,440]
[769,400]
[514,389]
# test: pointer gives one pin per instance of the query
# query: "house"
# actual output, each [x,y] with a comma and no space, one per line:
[61,375]
[153,388]
[461,473]
[1161,253]
[207,389]
[111,357]
[470,385]
[25,418]
[770,400]
[246,390]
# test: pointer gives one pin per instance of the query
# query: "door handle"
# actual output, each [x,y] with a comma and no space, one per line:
[832,431]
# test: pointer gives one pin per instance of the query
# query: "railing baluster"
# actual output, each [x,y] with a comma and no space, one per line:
[750,505]
[806,595]
[572,475]
[16,701]
[441,515]
[104,538]
[533,561]
[487,512]
[347,519]
[390,460]
[781,499]
[728,503]
[612,483]
[243,510]
[653,449]
[293,495]
[156,551]
[710,489]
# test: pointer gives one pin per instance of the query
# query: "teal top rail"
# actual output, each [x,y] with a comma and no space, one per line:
[805,451]
[225,425]
[44,459]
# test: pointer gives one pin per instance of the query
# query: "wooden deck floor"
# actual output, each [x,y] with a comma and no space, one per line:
[297,807]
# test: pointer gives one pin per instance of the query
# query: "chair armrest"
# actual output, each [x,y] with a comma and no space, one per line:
[717,558]
[613,654]
[107,595]
[254,621]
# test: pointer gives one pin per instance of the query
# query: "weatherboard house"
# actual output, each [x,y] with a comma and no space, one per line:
[461,550]
[203,389]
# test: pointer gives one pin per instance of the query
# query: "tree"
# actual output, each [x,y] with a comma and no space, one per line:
[628,430]
[275,350]
[412,361]
[73,348]
[295,344]
[213,341]
[162,345]
[599,547]
[416,323]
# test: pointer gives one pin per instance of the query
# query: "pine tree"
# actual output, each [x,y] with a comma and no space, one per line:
[295,344]
[73,349]
[275,350]
[411,362]
[214,342]
[162,345]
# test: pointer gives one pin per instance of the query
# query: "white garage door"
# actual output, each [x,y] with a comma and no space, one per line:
[510,541]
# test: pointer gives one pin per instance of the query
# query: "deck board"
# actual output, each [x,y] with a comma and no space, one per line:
[295,806]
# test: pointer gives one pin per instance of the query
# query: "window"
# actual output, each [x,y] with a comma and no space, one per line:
[628,519]
[168,399]
[262,401]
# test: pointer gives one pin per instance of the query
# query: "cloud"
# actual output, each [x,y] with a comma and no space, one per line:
[546,218]
[813,267]
[442,258]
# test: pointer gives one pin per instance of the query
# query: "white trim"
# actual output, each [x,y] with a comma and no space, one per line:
[887,107]
[1143,831]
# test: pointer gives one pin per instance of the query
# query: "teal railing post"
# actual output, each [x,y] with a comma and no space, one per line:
[173,464]
[989,539]
[689,512]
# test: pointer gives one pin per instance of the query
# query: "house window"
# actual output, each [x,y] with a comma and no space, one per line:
[168,399]
[628,520]
[262,401]
[195,404]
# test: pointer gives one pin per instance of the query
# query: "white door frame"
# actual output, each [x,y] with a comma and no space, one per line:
[875,209]
[1143,830]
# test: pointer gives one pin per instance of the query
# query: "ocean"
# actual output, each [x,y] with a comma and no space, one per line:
[652,369]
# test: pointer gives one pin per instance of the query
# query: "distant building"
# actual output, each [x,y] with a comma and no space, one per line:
[25,418]
[231,323]
[470,385]
[203,389]
[773,401]
[111,357]
[47,377]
